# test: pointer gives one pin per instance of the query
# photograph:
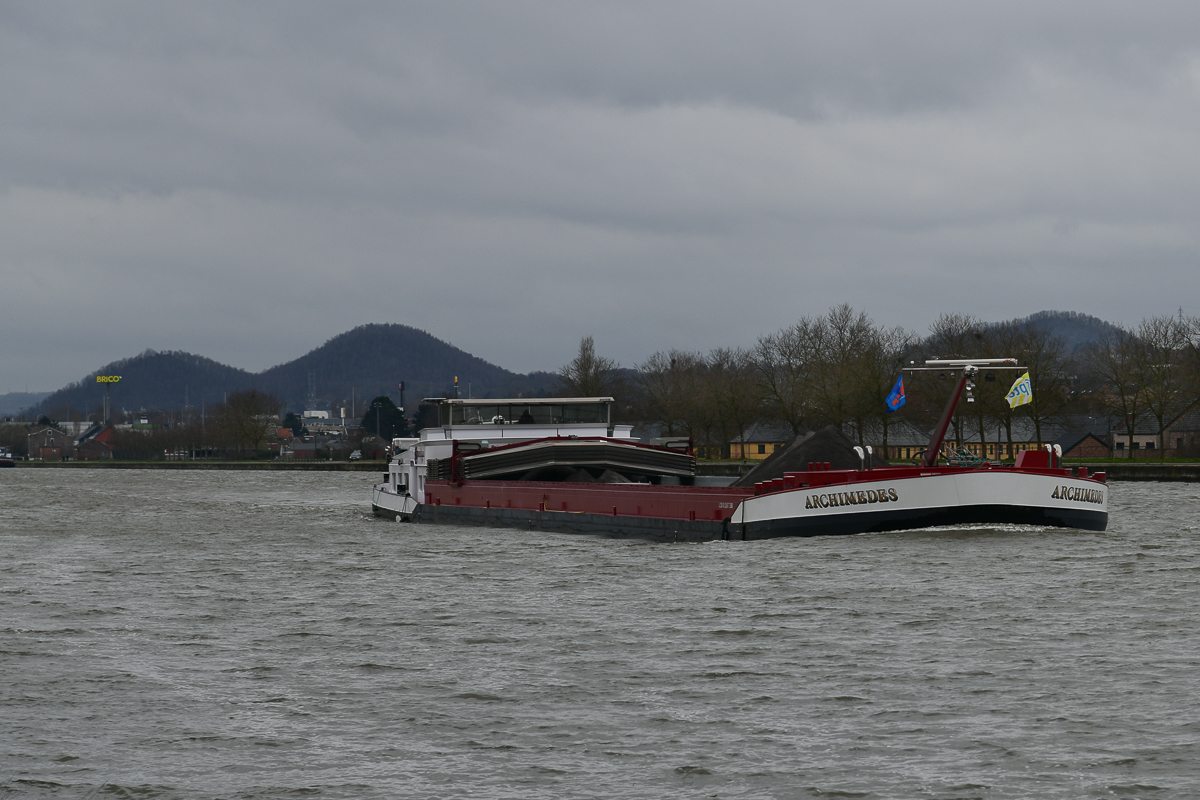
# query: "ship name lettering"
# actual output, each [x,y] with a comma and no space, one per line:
[836,499]
[1078,494]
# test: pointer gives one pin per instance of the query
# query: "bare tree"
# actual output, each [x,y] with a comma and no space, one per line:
[247,419]
[709,398]
[1192,352]
[16,438]
[1116,358]
[1162,371]
[786,364]
[589,375]
[737,392]
[845,338]
[668,384]
[836,369]
[701,402]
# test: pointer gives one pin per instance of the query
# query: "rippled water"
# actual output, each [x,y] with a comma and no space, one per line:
[231,634]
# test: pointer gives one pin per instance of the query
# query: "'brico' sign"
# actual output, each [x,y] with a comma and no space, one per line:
[108,379]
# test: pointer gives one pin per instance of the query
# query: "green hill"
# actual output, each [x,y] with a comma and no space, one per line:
[166,380]
[362,363]
[1077,329]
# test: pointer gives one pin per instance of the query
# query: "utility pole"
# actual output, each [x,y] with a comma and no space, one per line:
[403,421]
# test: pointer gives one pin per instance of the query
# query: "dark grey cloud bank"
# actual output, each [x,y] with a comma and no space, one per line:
[246,180]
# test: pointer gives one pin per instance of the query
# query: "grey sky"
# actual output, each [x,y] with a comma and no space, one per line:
[244,181]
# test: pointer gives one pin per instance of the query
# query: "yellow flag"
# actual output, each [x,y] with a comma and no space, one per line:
[1021,392]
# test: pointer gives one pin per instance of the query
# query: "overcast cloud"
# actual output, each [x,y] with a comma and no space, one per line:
[246,180]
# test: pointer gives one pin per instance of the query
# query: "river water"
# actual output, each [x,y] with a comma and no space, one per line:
[261,635]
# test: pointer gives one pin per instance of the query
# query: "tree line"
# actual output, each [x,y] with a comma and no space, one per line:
[838,369]
[833,369]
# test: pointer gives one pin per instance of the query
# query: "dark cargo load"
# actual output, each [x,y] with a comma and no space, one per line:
[826,445]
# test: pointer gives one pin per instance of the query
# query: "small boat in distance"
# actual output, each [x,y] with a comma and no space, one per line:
[6,458]
[560,464]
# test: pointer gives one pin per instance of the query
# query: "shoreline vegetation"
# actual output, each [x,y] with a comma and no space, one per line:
[1170,470]
[276,465]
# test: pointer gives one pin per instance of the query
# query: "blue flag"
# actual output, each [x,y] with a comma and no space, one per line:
[896,398]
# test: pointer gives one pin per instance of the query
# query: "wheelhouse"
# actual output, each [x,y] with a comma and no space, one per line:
[557,411]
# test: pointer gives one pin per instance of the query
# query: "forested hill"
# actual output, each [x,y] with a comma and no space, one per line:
[151,380]
[372,359]
[1077,329]
[15,402]
[365,362]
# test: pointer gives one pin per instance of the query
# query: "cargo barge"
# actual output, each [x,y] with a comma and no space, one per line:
[561,465]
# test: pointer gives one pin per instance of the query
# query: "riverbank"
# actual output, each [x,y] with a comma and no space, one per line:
[1169,471]
[1173,472]
[281,466]
[1146,471]
[722,469]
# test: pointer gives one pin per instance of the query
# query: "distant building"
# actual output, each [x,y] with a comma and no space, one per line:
[300,449]
[1182,437]
[151,421]
[75,428]
[51,444]
[760,441]
[314,447]
[93,450]
[1083,445]
[905,441]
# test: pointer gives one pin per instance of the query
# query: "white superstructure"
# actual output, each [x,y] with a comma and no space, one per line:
[488,423]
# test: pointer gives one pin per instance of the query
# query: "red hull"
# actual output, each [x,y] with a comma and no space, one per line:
[617,499]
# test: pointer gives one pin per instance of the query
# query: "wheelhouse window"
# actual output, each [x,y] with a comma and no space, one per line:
[517,413]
